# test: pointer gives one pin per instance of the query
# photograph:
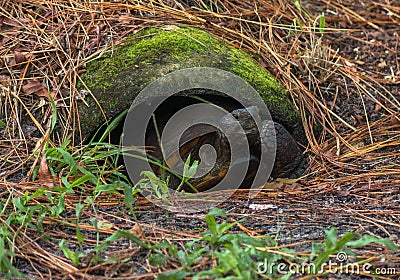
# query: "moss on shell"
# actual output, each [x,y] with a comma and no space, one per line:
[273,93]
[144,57]
[145,48]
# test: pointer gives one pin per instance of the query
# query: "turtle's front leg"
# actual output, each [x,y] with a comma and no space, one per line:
[288,154]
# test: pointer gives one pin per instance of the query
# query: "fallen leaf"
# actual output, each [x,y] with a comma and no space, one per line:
[382,64]
[98,31]
[44,172]
[19,57]
[10,22]
[28,130]
[359,118]
[137,231]
[125,19]
[378,107]
[32,87]
[330,155]
[287,181]
[359,145]
[37,88]
[279,183]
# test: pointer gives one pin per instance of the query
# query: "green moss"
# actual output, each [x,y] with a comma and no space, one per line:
[154,52]
[145,47]
[272,92]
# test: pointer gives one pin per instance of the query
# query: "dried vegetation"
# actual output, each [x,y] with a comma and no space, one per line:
[343,75]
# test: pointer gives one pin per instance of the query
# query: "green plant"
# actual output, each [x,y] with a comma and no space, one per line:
[333,245]
[189,170]
[92,167]
[19,216]
[7,268]
[156,187]
[238,255]
[74,256]
[318,22]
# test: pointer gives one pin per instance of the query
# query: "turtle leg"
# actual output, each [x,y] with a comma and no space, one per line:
[288,154]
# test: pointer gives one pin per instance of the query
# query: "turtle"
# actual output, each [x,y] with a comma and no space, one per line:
[288,157]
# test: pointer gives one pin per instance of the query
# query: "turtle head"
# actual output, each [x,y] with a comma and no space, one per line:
[247,118]
[243,120]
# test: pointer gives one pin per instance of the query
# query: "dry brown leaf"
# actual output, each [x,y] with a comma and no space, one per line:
[98,31]
[330,155]
[378,107]
[44,172]
[359,118]
[137,231]
[287,181]
[37,88]
[125,19]
[382,64]
[32,87]
[359,145]
[279,183]
[19,57]
[8,21]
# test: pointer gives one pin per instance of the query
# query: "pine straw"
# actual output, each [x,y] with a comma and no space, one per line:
[353,180]
[284,212]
